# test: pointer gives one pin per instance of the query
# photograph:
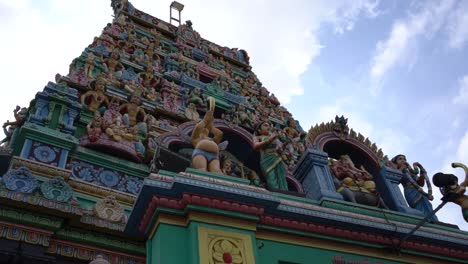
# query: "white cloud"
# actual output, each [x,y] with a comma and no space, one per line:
[346,16]
[41,39]
[462,96]
[457,26]
[403,37]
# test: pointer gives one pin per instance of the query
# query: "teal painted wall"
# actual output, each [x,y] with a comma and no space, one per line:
[179,245]
[169,245]
[278,253]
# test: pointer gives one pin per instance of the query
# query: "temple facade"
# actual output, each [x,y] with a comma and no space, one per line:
[159,146]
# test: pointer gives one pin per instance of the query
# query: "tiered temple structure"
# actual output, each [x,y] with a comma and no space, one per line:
[98,167]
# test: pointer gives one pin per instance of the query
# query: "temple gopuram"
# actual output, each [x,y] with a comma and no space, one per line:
[159,146]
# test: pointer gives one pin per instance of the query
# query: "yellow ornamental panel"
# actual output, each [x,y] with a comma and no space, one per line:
[224,247]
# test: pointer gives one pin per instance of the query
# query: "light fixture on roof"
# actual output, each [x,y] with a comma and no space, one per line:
[178,7]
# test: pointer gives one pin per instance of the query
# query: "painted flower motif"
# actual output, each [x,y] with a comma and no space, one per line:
[109,178]
[226,253]
[133,185]
[44,154]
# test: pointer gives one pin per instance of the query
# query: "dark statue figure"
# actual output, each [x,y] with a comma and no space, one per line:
[452,190]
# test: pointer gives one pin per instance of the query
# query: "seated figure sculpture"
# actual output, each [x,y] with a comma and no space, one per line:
[351,177]
[205,156]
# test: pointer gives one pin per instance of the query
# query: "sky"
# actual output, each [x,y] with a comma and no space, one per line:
[396,69]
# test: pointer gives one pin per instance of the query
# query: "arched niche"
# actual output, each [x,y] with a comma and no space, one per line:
[240,145]
[336,139]
[337,147]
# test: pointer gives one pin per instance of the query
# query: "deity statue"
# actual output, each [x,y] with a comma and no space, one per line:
[205,156]
[20,117]
[132,110]
[112,121]
[147,78]
[191,112]
[271,164]
[195,97]
[412,183]
[290,130]
[351,177]
[95,98]
[244,117]
[113,66]
[452,190]
[94,128]
[153,95]
[227,167]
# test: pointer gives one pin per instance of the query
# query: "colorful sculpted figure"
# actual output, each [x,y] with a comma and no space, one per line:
[271,163]
[95,128]
[191,112]
[153,95]
[351,177]
[112,121]
[20,117]
[227,167]
[205,156]
[195,97]
[147,78]
[132,110]
[113,66]
[412,183]
[96,98]
[450,187]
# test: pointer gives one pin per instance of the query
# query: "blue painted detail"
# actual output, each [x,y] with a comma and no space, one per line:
[63,158]
[390,178]
[42,111]
[53,96]
[198,54]
[109,178]
[102,49]
[128,75]
[190,82]
[315,176]
[105,177]
[44,154]
[171,64]
[20,180]
[26,148]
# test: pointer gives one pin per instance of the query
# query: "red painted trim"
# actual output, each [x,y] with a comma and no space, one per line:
[187,198]
[276,221]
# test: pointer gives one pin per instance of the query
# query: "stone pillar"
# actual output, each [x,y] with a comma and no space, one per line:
[390,180]
[315,176]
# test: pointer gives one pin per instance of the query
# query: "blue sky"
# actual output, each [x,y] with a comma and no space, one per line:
[396,69]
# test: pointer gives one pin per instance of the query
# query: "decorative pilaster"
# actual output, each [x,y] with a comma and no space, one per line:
[390,179]
[315,176]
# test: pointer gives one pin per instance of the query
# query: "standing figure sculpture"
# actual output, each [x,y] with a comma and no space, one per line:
[205,156]
[415,196]
[451,189]
[273,167]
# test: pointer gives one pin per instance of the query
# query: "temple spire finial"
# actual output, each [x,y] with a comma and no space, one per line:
[178,7]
